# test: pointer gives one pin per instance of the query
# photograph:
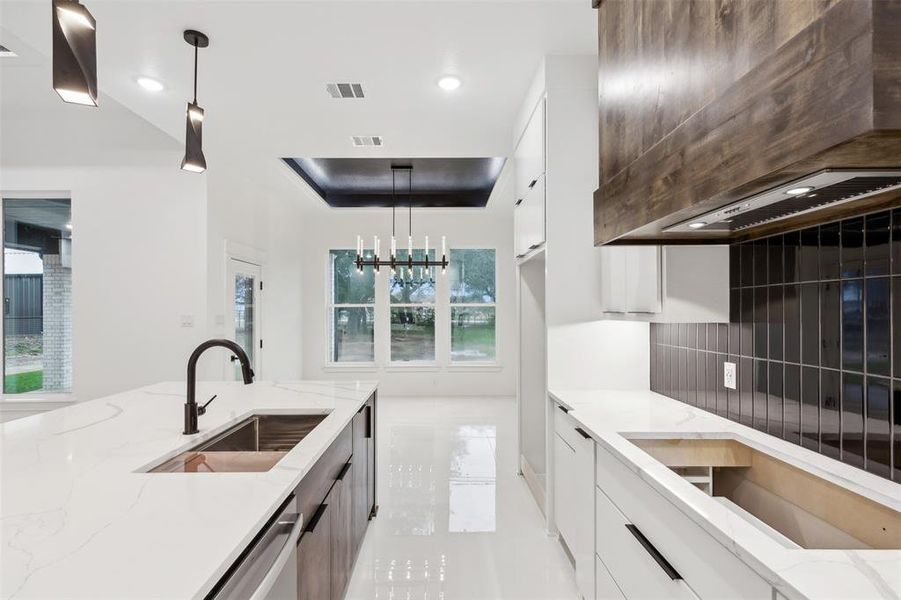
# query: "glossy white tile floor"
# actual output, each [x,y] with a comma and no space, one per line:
[455,521]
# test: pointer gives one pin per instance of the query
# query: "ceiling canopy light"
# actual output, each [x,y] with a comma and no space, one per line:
[799,191]
[398,267]
[449,83]
[194,160]
[150,84]
[74,53]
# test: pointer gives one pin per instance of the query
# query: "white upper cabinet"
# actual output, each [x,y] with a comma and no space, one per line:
[529,168]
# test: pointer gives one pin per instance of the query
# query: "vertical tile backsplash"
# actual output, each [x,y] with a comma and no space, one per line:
[815,334]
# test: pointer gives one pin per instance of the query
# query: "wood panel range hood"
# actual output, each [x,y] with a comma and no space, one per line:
[733,119]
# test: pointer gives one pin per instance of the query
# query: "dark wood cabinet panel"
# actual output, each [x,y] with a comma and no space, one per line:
[703,103]
[343,546]
[314,555]
[316,484]
[361,498]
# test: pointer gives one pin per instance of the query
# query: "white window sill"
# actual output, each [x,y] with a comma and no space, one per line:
[413,367]
[462,367]
[39,398]
[345,367]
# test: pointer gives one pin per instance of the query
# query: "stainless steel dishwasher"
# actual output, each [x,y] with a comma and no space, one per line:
[267,570]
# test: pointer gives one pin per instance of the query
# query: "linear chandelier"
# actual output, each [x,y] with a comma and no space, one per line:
[397,265]
[194,159]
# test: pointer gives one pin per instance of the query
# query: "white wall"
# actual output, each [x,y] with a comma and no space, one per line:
[491,227]
[137,267]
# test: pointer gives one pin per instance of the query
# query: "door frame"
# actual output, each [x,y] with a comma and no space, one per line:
[236,251]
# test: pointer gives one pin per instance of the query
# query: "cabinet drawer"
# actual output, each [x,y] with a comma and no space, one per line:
[636,567]
[567,428]
[605,587]
[690,549]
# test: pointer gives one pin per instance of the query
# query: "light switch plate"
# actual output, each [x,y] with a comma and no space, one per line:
[729,375]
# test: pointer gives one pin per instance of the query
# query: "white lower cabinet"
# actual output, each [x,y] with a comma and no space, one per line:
[604,586]
[706,566]
[574,497]
[638,569]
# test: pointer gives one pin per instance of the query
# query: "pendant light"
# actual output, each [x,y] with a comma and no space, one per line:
[194,160]
[376,262]
[74,53]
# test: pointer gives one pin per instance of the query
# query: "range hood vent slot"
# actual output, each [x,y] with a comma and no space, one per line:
[827,188]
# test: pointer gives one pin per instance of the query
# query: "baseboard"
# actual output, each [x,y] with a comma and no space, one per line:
[535,482]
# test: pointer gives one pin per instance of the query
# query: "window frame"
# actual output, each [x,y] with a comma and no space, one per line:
[475,365]
[329,319]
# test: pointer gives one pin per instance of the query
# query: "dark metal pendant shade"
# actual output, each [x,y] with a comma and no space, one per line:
[74,53]
[194,160]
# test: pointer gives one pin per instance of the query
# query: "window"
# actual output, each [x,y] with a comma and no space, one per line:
[352,310]
[473,298]
[37,295]
[412,298]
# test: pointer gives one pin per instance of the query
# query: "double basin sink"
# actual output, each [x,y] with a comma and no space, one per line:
[255,444]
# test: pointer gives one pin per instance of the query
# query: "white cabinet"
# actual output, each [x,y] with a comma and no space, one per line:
[604,586]
[574,497]
[630,279]
[528,219]
[638,568]
[666,283]
[529,171]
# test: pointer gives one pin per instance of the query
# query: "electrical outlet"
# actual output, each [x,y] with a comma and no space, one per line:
[729,375]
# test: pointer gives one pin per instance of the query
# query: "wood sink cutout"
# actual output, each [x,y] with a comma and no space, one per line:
[784,500]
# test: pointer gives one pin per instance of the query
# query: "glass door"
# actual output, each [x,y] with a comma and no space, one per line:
[245,290]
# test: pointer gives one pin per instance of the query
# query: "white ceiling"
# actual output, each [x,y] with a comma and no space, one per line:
[262,80]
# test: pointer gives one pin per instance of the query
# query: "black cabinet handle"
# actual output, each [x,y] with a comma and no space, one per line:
[563,408]
[311,525]
[344,471]
[368,421]
[581,432]
[533,246]
[532,183]
[518,202]
[655,554]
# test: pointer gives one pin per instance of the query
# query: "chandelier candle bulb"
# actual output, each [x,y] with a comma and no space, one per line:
[410,245]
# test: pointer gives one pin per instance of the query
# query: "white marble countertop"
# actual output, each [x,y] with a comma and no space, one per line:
[607,414]
[79,519]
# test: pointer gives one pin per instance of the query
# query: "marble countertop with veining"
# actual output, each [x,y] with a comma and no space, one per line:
[80,519]
[610,415]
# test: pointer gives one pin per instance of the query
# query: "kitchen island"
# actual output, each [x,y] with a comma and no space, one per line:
[82,517]
[708,547]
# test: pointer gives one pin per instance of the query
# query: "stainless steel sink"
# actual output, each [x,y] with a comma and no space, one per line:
[255,444]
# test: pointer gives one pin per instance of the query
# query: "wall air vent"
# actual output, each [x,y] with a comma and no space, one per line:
[6,52]
[826,188]
[345,90]
[361,141]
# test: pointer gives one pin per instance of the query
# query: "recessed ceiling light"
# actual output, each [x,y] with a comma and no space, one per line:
[799,190]
[6,52]
[150,84]
[697,224]
[449,83]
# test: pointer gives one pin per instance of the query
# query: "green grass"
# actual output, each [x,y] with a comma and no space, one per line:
[473,342]
[23,382]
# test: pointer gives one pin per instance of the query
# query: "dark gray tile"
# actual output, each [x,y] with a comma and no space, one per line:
[896,429]
[830,412]
[775,267]
[722,337]
[747,264]
[879,326]
[747,322]
[760,322]
[877,255]
[734,319]
[711,336]
[809,254]
[712,381]
[692,373]
[733,406]
[746,391]
[760,390]
[734,266]
[810,408]
[791,254]
[761,262]
[852,325]
[852,419]
[791,311]
[701,378]
[879,446]
[810,324]
[774,400]
[775,322]
[830,324]
[722,397]
[830,251]
[852,247]
[702,336]
[791,404]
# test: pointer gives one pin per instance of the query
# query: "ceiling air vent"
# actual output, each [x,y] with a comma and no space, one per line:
[367,140]
[4,51]
[814,192]
[345,90]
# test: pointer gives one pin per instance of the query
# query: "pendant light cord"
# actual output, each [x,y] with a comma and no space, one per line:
[410,199]
[195,72]
[393,200]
